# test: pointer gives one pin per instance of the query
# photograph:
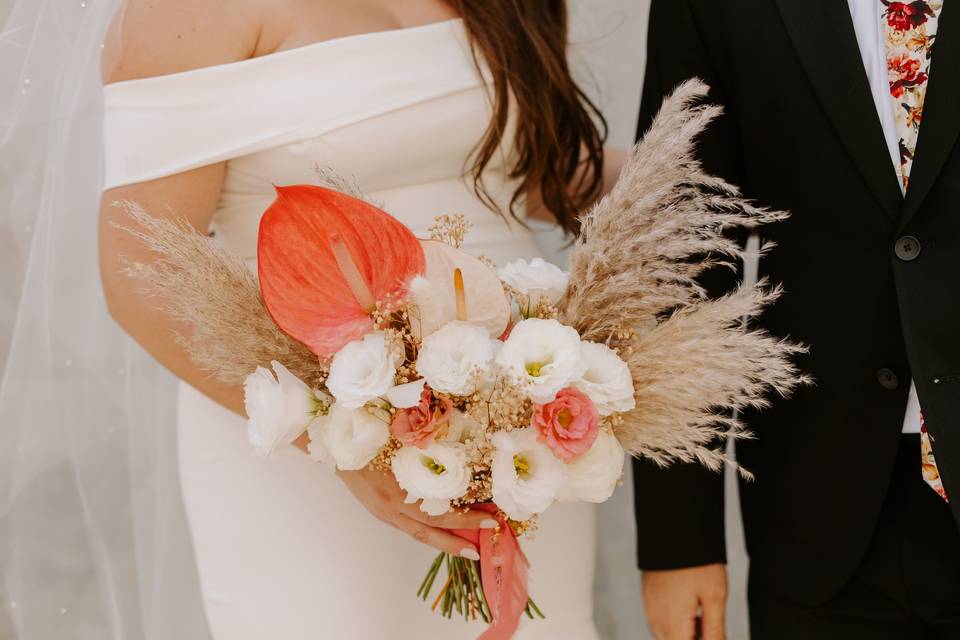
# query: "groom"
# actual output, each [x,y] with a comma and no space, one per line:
[847,114]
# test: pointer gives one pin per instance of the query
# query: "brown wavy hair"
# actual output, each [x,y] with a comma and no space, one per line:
[560,132]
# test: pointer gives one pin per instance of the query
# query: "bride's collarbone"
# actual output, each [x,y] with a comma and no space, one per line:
[300,23]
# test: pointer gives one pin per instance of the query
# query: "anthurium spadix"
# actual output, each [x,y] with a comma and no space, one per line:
[325,259]
[436,292]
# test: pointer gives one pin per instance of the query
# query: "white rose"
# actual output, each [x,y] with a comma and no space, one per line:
[362,370]
[526,476]
[278,408]
[453,358]
[543,357]
[537,278]
[607,380]
[348,438]
[595,474]
[436,475]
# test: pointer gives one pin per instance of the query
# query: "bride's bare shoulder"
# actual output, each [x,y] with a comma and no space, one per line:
[153,38]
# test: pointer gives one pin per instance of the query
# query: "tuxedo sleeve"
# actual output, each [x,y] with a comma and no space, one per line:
[680,509]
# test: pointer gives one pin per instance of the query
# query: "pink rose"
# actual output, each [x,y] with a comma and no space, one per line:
[416,426]
[568,425]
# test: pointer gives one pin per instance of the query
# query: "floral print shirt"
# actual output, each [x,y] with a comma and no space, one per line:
[909,29]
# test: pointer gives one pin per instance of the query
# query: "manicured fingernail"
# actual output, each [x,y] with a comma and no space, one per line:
[470,554]
[489,523]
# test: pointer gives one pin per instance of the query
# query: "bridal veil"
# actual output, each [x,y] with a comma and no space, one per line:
[93,539]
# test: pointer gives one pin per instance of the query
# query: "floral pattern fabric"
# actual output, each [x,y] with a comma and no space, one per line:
[910,29]
[931,474]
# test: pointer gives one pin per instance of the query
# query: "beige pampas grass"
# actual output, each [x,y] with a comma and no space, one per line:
[633,286]
[215,293]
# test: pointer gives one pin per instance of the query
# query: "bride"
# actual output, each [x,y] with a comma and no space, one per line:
[434,107]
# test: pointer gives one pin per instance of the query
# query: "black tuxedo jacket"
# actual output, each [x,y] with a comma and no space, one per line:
[871,282]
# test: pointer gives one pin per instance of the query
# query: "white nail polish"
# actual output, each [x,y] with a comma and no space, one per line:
[469,554]
[489,524]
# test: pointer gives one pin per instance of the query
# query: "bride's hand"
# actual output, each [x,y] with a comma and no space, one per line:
[382,496]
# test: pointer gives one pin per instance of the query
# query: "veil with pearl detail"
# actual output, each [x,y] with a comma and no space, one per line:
[93,539]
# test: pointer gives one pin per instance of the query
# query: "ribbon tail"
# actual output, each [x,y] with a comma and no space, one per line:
[504,572]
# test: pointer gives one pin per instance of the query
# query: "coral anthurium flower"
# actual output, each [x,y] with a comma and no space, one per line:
[324,260]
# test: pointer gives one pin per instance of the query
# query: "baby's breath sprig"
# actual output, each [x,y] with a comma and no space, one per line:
[383,460]
[506,407]
[451,229]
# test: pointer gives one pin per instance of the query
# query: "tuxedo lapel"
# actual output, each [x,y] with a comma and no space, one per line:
[823,35]
[941,112]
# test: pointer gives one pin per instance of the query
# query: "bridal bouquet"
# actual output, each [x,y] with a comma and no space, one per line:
[505,390]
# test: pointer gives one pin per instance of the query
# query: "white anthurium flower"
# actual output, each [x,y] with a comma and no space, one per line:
[279,408]
[526,476]
[543,357]
[537,279]
[404,396]
[436,475]
[362,370]
[607,379]
[454,358]
[593,477]
[435,296]
[347,438]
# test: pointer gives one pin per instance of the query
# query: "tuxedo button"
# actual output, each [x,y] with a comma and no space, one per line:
[888,379]
[907,248]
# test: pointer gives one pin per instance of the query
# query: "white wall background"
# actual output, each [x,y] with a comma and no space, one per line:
[609,37]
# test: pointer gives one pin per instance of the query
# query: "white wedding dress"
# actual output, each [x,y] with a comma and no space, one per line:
[284,551]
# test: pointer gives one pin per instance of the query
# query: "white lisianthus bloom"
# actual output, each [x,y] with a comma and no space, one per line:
[279,408]
[453,358]
[526,476]
[593,477]
[362,370]
[542,356]
[404,396]
[348,438]
[436,475]
[607,379]
[537,279]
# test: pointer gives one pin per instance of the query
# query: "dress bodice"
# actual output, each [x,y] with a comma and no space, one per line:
[283,549]
[399,111]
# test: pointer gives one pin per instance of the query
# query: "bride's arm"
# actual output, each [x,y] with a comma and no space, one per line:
[155,44]
[151,39]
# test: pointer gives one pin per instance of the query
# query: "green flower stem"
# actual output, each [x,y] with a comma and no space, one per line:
[428,579]
[484,607]
[533,605]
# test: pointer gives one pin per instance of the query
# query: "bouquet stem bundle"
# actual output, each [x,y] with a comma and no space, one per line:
[462,590]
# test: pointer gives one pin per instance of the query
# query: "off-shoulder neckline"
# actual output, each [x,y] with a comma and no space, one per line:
[298,51]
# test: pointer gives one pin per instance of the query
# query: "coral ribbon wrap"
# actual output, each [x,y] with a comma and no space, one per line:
[503,569]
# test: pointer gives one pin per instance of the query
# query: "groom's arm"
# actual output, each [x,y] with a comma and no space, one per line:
[680,510]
